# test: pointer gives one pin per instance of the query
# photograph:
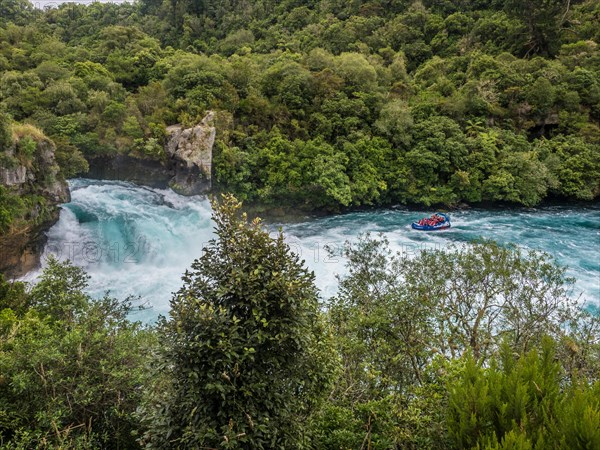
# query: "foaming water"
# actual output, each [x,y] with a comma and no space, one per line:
[571,235]
[131,240]
[139,241]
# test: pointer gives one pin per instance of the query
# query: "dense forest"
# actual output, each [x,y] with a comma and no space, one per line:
[323,104]
[318,104]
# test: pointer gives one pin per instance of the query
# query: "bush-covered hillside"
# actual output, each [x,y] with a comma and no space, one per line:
[328,103]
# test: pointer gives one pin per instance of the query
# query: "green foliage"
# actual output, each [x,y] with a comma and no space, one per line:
[6,138]
[246,354]
[17,11]
[544,20]
[410,329]
[476,347]
[499,293]
[371,424]
[395,122]
[71,367]
[151,148]
[26,147]
[70,159]
[403,82]
[575,166]
[13,296]
[382,337]
[326,105]
[59,293]
[12,207]
[522,403]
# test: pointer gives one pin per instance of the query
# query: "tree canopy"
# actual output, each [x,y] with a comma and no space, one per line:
[320,104]
[246,353]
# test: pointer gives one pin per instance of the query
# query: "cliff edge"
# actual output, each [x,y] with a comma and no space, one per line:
[31,190]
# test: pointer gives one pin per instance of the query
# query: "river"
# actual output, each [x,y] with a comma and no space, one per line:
[138,241]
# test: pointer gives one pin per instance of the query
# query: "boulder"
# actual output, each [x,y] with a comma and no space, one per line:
[190,153]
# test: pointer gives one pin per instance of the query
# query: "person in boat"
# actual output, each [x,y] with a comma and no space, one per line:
[432,221]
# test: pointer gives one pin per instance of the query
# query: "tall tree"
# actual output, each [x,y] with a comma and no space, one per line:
[523,402]
[544,20]
[247,355]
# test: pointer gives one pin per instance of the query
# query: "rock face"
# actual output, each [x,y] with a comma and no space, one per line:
[22,245]
[187,168]
[12,177]
[146,172]
[190,153]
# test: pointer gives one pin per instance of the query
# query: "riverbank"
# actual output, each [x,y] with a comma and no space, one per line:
[156,174]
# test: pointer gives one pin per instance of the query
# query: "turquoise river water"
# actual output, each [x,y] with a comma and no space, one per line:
[138,241]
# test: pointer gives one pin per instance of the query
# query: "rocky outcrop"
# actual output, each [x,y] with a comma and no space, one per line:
[190,153]
[13,177]
[44,176]
[21,251]
[187,168]
[30,179]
